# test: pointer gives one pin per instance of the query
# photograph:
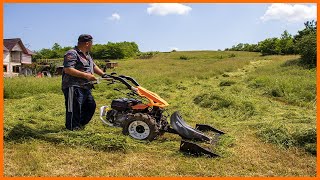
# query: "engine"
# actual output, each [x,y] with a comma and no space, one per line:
[124,104]
[120,109]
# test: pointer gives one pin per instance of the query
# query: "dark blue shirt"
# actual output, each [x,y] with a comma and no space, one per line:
[75,58]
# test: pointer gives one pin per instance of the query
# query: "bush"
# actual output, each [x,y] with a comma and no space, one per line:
[307,48]
[146,55]
[121,50]
[183,57]
[231,55]
[269,46]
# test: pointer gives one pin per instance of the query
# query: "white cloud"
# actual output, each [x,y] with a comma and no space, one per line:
[164,9]
[290,13]
[114,17]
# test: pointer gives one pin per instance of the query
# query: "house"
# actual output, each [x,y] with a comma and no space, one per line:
[16,58]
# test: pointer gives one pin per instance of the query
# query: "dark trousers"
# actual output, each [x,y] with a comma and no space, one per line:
[80,107]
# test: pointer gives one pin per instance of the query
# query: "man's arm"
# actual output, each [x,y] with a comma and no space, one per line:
[69,63]
[98,71]
[77,73]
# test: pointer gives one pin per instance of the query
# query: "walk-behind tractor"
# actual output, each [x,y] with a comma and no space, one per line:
[142,115]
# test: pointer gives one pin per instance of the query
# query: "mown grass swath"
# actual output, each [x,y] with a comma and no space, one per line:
[265,104]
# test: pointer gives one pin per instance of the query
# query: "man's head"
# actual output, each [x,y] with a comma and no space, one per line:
[85,41]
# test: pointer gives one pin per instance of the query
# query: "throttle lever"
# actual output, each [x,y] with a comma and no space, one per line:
[112,82]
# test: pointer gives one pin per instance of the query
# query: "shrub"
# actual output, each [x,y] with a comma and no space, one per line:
[307,48]
[183,57]
[231,55]
[219,57]
[269,46]
[146,55]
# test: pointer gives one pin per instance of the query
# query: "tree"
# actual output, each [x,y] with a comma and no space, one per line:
[269,46]
[99,51]
[306,43]
[307,48]
[122,50]
[310,27]
[56,47]
[286,45]
[111,50]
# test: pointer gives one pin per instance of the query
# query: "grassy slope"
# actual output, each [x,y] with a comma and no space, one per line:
[265,118]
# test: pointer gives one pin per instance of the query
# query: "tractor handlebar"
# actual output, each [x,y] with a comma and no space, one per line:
[121,78]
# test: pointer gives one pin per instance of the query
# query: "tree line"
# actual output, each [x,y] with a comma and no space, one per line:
[118,50]
[303,43]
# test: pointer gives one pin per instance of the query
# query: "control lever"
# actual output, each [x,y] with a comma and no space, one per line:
[112,82]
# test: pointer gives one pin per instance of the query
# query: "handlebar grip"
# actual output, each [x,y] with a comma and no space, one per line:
[130,79]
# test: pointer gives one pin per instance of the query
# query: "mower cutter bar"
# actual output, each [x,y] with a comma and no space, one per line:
[194,149]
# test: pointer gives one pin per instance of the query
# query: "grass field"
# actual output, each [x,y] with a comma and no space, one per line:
[265,104]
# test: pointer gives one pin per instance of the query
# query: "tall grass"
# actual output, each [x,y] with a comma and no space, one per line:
[292,84]
[288,83]
[15,88]
[163,69]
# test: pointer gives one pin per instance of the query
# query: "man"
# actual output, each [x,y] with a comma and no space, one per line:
[77,73]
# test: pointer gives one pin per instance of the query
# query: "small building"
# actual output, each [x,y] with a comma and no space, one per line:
[16,58]
[111,65]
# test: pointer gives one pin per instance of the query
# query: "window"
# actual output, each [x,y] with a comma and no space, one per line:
[4,68]
[15,69]
[16,56]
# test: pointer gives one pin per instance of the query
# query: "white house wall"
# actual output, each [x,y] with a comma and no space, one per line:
[6,56]
[10,72]
[17,48]
[9,62]
[26,59]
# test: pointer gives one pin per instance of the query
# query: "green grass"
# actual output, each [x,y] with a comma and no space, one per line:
[21,87]
[290,83]
[266,105]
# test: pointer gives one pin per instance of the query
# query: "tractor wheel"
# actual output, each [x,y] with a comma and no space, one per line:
[164,125]
[141,126]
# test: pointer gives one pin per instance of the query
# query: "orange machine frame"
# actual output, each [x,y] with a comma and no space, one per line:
[154,99]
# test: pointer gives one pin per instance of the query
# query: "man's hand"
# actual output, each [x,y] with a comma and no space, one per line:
[90,77]
[80,74]
[105,76]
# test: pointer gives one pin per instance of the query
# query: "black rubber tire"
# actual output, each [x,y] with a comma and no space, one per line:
[165,125]
[149,120]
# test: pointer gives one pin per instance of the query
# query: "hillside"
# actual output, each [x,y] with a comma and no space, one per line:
[265,104]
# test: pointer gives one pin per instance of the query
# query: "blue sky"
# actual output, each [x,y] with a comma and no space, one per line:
[154,27]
